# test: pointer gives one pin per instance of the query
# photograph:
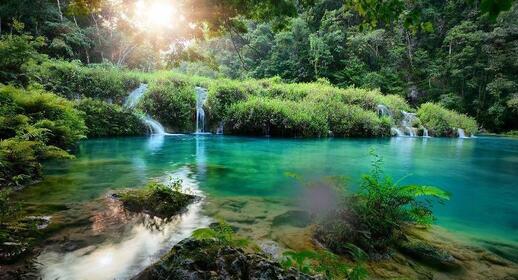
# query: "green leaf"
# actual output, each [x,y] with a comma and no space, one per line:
[418,190]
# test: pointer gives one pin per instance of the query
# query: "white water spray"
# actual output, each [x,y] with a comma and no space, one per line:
[135,96]
[132,101]
[154,126]
[461,133]
[425,132]
[201,96]
[383,111]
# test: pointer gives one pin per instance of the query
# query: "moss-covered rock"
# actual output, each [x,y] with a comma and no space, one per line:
[210,259]
[157,199]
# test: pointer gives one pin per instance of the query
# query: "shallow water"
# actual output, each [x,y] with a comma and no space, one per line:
[480,173]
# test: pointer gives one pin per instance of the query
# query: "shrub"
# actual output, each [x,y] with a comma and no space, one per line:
[74,80]
[39,115]
[375,217]
[353,121]
[265,116]
[18,162]
[103,119]
[16,52]
[172,103]
[444,122]
[222,95]
[34,125]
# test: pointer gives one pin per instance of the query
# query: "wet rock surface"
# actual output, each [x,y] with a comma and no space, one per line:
[294,218]
[431,255]
[207,259]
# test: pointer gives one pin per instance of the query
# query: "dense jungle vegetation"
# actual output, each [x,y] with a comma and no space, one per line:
[288,68]
[457,53]
[332,63]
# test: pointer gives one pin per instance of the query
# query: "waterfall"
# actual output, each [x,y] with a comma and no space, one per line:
[397,131]
[219,130]
[156,127]
[135,96]
[132,101]
[425,132]
[408,120]
[461,133]
[406,126]
[201,96]
[383,111]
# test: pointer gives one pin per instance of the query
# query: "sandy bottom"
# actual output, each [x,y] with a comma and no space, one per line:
[259,220]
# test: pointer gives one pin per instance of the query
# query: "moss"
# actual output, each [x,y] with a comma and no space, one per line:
[157,199]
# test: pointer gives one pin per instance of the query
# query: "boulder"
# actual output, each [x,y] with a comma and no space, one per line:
[209,259]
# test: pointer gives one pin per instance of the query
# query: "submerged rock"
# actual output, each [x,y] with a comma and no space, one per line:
[208,259]
[429,254]
[294,218]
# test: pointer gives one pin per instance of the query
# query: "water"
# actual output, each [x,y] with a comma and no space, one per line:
[407,123]
[134,96]
[479,173]
[461,133]
[201,96]
[383,111]
[154,126]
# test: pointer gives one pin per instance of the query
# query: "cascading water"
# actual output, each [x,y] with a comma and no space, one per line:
[201,96]
[132,101]
[406,126]
[383,111]
[425,132]
[461,133]
[408,121]
[219,130]
[156,127]
[135,96]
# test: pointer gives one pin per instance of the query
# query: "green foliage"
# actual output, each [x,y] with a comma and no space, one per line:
[16,51]
[265,116]
[326,263]
[74,80]
[103,119]
[172,103]
[374,219]
[163,200]
[221,233]
[426,51]
[444,122]
[34,125]
[18,161]
[259,107]
[8,208]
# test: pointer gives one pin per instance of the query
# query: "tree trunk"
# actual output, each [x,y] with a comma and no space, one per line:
[98,35]
[59,10]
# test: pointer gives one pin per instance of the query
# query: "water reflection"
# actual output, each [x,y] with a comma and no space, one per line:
[132,242]
[201,157]
[155,142]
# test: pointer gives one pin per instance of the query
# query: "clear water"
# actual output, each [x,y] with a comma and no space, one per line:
[480,173]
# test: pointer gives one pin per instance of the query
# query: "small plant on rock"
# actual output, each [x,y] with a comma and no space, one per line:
[374,219]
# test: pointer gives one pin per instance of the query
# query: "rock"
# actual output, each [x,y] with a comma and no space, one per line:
[208,259]
[294,218]
[271,248]
[12,251]
[155,200]
[429,254]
